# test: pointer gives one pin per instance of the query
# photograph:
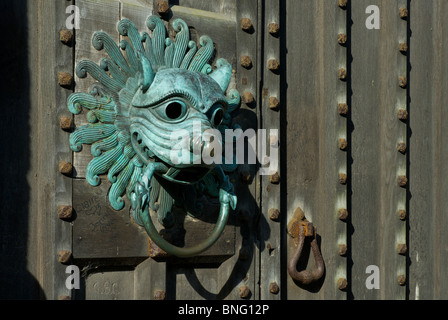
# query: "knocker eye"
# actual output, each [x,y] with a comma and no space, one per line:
[216,115]
[174,110]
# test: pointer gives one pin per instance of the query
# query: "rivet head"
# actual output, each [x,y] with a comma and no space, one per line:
[274,103]
[403,47]
[65,212]
[401,147]
[159,295]
[342,283]
[342,74]
[402,82]
[342,144]
[273,64]
[274,288]
[343,109]
[244,292]
[65,79]
[402,181]
[64,256]
[246,24]
[402,114]
[343,214]
[65,168]
[401,279]
[163,7]
[246,62]
[342,3]
[402,248]
[403,12]
[342,249]
[273,28]
[274,214]
[65,123]
[248,97]
[274,178]
[342,178]
[342,39]
[65,36]
[402,214]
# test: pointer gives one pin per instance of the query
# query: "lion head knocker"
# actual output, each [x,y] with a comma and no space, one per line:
[161,85]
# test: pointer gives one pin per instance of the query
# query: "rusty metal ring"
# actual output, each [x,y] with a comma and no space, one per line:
[306,277]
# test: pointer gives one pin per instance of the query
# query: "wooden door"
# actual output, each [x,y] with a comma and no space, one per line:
[354,90]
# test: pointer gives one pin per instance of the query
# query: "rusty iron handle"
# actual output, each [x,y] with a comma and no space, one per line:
[306,277]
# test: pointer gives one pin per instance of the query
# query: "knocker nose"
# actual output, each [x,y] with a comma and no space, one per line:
[205,145]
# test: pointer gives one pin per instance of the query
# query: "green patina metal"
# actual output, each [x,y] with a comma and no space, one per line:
[158,86]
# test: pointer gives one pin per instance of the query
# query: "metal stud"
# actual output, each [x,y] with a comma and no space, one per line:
[65,168]
[401,279]
[402,82]
[342,3]
[274,103]
[403,12]
[342,284]
[342,74]
[403,47]
[274,288]
[274,214]
[65,212]
[65,123]
[343,109]
[402,181]
[65,36]
[343,214]
[273,28]
[244,292]
[246,62]
[65,79]
[402,214]
[273,64]
[402,248]
[163,7]
[246,24]
[342,144]
[342,250]
[64,256]
[248,97]
[274,178]
[342,178]
[402,114]
[401,147]
[159,295]
[342,39]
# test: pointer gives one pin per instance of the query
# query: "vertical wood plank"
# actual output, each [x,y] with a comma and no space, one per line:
[377,164]
[48,188]
[428,151]
[247,83]
[314,127]
[271,181]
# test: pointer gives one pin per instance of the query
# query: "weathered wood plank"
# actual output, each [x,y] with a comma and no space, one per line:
[271,199]
[312,156]
[102,235]
[428,154]
[377,164]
